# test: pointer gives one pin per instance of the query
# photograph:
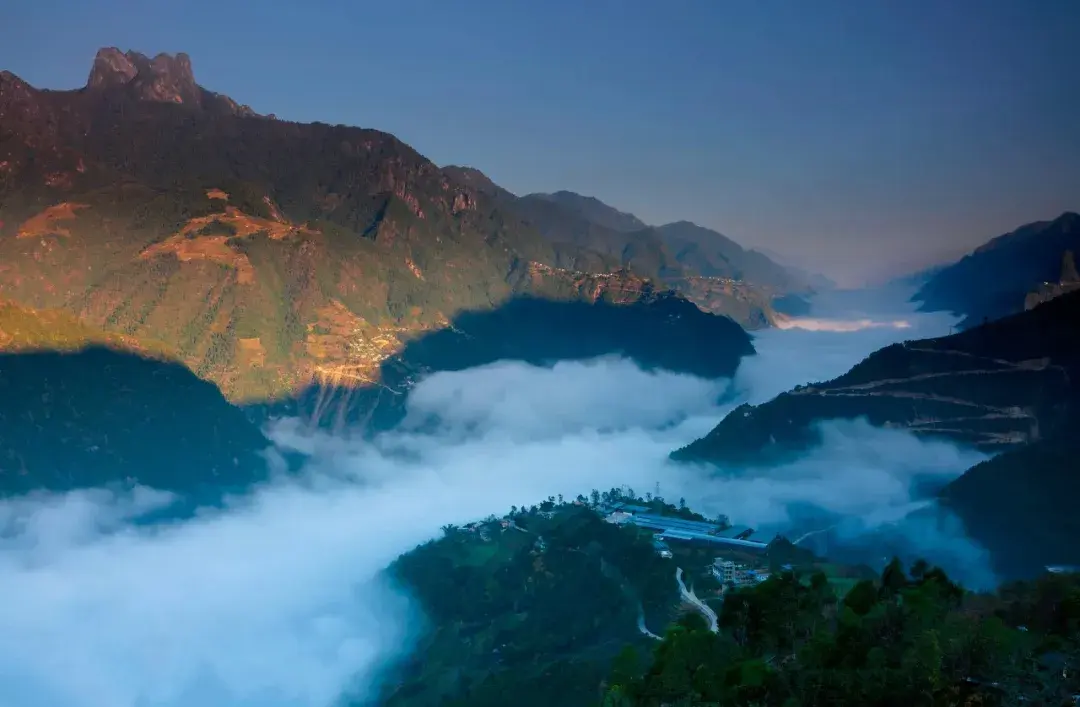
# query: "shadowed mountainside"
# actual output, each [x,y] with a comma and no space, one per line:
[997,387]
[99,417]
[994,280]
[657,331]
[81,408]
[1022,504]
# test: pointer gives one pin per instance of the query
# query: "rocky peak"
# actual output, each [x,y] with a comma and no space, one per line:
[111,68]
[166,78]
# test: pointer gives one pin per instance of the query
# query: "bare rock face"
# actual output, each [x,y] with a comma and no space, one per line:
[111,68]
[165,78]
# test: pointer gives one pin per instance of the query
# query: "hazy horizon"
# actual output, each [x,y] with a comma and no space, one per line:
[860,141]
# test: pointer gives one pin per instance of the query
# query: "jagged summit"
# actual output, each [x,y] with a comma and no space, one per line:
[167,78]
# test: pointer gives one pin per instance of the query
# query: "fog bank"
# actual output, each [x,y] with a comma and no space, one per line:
[277,600]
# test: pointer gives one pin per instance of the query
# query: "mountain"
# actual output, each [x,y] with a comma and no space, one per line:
[994,280]
[73,417]
[582,243]
[715,255]
[593,210]
[1005,387]
[165,78]
[267,256]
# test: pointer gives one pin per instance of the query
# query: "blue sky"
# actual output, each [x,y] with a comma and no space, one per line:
[857,137]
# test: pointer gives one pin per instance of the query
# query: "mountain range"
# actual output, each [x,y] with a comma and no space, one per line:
[270,257]
[319,270]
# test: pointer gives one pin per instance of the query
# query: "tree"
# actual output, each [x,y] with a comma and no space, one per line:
[862,597]
[919,569]
[893,578]
[682,504]
[594,495]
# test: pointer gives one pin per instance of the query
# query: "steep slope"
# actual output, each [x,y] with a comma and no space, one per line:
[997,387]
[994,280]
[268,255]
[80,418]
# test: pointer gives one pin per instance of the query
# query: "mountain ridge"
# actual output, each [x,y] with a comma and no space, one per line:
[994,279]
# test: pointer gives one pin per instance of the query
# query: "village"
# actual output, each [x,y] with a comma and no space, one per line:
[723,552]
[727,571]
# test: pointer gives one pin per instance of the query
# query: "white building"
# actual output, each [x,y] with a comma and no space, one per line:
[730,572]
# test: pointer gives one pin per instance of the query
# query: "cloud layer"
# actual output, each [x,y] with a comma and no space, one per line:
[278,601]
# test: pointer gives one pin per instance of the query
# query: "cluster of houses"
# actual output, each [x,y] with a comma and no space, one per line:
[668,528]
[729,572]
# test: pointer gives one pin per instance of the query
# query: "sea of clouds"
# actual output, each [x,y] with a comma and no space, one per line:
[278,599]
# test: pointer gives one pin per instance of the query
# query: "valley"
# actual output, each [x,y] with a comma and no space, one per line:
[308,415]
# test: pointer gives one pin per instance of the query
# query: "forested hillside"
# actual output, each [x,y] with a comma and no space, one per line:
[905,640]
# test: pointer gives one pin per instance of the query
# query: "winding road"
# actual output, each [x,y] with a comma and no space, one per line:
[705,609]
[804,536]
[641,625]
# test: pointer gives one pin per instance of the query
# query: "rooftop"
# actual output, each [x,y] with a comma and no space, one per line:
[736,531]
[651,520]
[688,535]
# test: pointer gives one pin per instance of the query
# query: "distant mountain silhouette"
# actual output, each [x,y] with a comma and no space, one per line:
[994,280]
